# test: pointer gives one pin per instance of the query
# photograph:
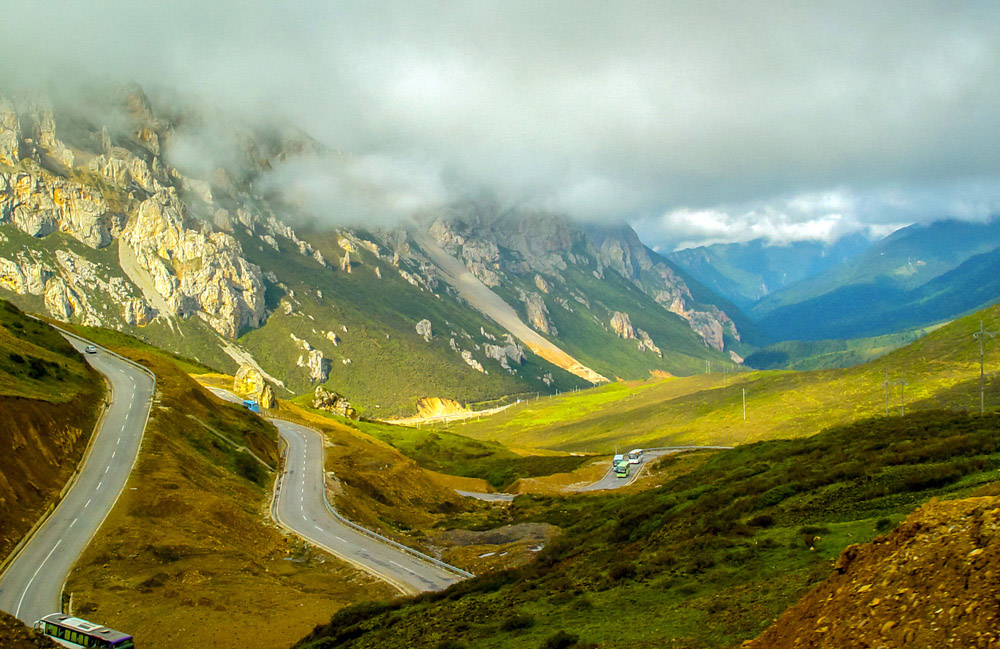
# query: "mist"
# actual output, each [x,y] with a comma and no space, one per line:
[696,122]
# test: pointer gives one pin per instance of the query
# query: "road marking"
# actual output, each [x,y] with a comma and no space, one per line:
[106,469]
[74,521]
[123,428]
[119,441]
[39,569]
[399,565]
[339,539]
[99,485]
[113,453]
[88,503]
[318,527]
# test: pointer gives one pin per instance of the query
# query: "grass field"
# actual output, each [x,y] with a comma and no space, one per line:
[942,370]
[708,559]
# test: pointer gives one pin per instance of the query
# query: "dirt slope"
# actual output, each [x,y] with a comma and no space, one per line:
[15,635]
[932,582]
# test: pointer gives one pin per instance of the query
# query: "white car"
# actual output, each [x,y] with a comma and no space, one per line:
[90,349]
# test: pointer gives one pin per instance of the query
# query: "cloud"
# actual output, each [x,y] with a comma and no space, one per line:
[822,216]
[604,110]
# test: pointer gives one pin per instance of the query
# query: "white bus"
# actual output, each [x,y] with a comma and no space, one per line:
[635,456]
[73,632]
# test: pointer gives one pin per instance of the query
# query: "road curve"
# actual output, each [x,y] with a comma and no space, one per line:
[301,505]
[612,481]
[32,584]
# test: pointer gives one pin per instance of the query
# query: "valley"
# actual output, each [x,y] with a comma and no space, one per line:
[499,325]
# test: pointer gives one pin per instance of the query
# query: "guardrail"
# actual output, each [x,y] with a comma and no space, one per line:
[689,448]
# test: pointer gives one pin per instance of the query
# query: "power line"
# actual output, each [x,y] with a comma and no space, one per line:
[980,336]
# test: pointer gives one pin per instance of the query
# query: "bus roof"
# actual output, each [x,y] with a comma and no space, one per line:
[619,457]
[84,626]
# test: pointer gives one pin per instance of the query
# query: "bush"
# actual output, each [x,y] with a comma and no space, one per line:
[883,524]
[248,467]
[621,571]
[517,622]
[561,640]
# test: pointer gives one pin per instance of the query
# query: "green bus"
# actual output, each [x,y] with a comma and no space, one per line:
[73,632]
[621,470]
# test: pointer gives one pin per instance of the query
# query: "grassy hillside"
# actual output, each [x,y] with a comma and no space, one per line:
[706,560]
[942,369]
[379,359]
[464,456]
[803,355]
[50,399]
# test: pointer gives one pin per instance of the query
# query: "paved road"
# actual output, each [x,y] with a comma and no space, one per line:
[32,585]
[612,481]
[490,498]
[302,507]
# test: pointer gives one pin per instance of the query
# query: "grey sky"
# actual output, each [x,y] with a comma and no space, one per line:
[788,119]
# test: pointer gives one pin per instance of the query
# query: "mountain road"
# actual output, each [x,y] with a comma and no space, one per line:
[32,584]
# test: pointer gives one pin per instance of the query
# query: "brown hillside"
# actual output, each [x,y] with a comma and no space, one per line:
[15,635]
[932,582]
[49,401]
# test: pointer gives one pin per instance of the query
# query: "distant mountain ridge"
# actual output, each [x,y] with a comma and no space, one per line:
[917,276]
[748,272]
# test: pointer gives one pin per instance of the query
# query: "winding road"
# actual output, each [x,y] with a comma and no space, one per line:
[301,506]
[32,584]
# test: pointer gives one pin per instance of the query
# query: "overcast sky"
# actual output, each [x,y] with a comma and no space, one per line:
[697,121]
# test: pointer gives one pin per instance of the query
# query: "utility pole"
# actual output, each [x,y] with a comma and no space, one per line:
[902,398]
[980,336]
[744,404]
[886,385]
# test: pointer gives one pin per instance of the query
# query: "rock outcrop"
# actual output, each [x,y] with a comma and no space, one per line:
[622,326]
[538,313]
[249,382]
[505,353]
[646,344]
[319,367]
[323,399]
[424,329]
[196,273]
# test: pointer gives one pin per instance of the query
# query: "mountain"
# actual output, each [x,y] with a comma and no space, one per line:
[916,276]
[747,272]
[104,220]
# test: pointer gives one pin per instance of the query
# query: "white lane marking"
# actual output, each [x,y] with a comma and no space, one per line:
[39,569]
[318,527]
[399,565]
[339,539]
[88,503]
[106,469]
[74,521]
[99,485]
[119,441]
[123,428]
[113,453]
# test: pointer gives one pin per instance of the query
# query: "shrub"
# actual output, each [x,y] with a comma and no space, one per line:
[561,640]
[883,524]
[248,467]
[517,622]
[621,571]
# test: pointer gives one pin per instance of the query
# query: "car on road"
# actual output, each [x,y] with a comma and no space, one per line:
[90,349]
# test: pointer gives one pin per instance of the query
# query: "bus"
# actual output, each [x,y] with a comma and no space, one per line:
[635,456]
[618,460]
[621,470]
[73,632]
[251,405]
